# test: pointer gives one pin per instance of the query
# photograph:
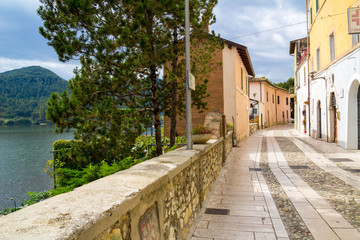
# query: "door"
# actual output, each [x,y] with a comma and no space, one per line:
[358,116]
[319,120]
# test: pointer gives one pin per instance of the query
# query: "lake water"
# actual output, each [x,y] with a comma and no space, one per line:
[24,151]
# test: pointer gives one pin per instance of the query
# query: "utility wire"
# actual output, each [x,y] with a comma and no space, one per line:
[287,26]
[268,30]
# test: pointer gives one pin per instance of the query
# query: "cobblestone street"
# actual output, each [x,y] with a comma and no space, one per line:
[281,184]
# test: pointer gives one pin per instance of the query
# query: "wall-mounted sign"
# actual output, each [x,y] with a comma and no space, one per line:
[354,20]
[192,82]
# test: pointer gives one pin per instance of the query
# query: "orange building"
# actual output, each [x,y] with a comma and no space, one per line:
[228,90]
[275,100]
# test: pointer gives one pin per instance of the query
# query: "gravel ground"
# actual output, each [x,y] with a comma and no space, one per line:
[343,198]
[293,223]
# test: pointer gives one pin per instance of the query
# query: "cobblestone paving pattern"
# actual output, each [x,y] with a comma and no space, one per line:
[344,198]
[339,164]
[293,223]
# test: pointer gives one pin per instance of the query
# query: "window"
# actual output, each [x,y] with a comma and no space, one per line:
[246,85]
[278,99]
[318,59]
[332,47]
[267,96]
[311,18]
[242,83]
[287,101]
[317,6]
[273,98]
[298,80]
[304,76]
[355,39]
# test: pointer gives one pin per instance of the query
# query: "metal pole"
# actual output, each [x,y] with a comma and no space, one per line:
[308,64]
[187,75]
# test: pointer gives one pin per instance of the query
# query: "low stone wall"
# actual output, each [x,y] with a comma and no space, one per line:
[157,199]
[253,128]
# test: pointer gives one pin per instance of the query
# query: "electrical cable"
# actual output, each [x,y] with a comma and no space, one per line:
[268,30]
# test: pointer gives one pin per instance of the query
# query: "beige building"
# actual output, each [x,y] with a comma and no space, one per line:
[228,90]
[274,102]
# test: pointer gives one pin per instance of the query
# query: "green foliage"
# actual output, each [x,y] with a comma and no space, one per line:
[122,45]
[68,178]
[145,146]
[24,92]
[34,198]
[199,129]
[286,85]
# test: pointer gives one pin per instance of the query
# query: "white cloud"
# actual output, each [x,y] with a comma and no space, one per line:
[250,23]
[64,70]
[29,6]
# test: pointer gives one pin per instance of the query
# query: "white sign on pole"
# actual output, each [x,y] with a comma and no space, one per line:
[192,82]
[354,20]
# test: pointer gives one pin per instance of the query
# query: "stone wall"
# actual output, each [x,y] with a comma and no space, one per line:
[253,128]
[157,199]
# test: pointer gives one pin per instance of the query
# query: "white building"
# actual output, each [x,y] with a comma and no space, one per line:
[327,85]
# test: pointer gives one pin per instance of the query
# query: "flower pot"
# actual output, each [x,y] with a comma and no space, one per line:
[200,138]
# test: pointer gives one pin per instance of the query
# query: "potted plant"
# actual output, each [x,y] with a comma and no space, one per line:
[201,134]
[229,127]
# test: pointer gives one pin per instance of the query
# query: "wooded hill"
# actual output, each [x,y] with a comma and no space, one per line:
[24,93]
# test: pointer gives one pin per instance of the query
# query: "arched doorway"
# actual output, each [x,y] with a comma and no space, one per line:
[352,141]
[358,116]
[319,133]
[332,116]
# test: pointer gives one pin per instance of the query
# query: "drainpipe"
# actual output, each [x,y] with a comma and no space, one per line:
[276,103]
[326,106]
[308,59]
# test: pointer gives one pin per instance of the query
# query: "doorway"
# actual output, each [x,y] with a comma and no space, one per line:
[333,118]
[319,135]
[358,116]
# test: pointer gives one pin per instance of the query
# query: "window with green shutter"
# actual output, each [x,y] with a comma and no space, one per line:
[317,6]
[311,19]
[247,79]
[242,83]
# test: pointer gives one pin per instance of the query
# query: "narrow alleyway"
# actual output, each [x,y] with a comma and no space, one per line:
[281,184]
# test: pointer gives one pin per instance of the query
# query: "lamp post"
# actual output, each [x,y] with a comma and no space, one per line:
[187,76]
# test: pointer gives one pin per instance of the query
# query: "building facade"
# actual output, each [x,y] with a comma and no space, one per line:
[299,49]
[333,63]
[274,102]
[228,90]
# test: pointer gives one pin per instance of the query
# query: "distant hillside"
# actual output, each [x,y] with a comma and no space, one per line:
[24,92]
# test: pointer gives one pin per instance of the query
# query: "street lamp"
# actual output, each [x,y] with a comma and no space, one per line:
[187,76]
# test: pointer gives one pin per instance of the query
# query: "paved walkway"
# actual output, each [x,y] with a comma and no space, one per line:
[280,184]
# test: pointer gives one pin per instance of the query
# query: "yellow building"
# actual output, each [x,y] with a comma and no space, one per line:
[333,109]
[328,32]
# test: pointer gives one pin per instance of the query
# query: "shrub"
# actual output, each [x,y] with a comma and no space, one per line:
[199,129]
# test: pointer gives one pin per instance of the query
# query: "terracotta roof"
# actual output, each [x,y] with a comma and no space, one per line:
[257,79]
[244,54]
[292,45]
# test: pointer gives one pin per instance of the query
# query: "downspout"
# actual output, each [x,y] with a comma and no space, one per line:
[308,59]
[327,110]
[276,103]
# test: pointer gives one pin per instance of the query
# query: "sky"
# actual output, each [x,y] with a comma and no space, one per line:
[240,21]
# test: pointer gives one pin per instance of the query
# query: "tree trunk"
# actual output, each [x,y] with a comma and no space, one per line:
[156,109]
[174,90]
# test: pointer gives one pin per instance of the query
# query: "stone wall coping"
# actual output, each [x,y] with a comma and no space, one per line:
[86,211]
